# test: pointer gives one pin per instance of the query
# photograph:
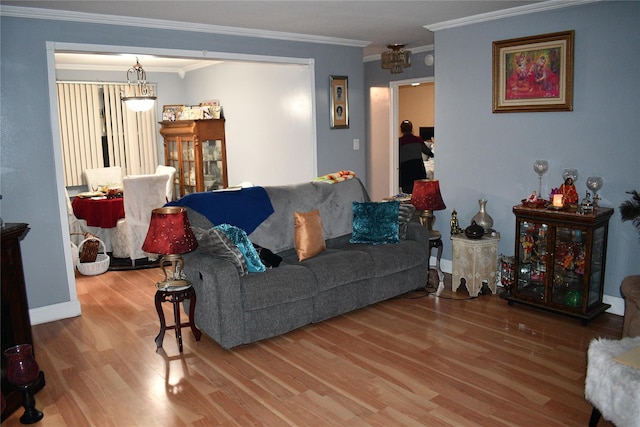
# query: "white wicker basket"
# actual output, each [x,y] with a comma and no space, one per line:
[101,263]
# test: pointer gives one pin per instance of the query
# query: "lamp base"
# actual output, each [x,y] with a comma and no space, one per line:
[167,284]
[427,219]
[172,265]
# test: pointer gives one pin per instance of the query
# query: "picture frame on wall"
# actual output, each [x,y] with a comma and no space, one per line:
[171,113]
[533,74]
[339,95]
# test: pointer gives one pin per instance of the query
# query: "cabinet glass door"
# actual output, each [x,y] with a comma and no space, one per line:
[569,267]
[532,260]
[188,161]
[597,266]
[212,164]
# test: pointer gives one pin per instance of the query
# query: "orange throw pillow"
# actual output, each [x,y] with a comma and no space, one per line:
[309,237]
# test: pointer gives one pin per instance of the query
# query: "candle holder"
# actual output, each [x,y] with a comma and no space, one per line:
[22,372]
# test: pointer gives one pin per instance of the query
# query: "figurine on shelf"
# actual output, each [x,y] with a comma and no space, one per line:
[533,197]
[568,191]
[455,226]
[527,247]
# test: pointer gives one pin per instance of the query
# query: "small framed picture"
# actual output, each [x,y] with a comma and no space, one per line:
[171,113]
[533,73]
[339,112]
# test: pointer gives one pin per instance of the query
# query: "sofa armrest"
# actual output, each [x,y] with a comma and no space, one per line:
[219,312]
[415,231]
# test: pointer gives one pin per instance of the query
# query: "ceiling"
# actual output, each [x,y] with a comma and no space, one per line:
[370,24]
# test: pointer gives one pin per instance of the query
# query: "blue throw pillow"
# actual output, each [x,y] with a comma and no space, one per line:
[241,240]
[375,222]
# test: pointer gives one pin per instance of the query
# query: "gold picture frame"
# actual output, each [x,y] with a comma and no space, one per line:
[171,113]
[532,74]
[339,95]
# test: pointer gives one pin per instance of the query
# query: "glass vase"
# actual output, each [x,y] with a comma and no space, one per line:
[482,218]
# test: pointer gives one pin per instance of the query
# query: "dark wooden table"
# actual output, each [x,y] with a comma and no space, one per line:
[175,297]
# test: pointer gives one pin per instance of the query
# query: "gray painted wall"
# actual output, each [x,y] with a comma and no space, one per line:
[486,155]
[29,180]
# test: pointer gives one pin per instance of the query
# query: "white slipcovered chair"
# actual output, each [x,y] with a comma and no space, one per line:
[111,176]
[142,194]
[171,171]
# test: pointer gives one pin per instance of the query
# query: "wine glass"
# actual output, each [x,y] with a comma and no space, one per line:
[540,167]
[594,183]
[22,373]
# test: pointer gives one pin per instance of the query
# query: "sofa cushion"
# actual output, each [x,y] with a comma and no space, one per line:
[332,200]
[239,237]
[390,259]
[308,236]
[335,267]
[277,286]
[405,213]
[216,242]
[375,222]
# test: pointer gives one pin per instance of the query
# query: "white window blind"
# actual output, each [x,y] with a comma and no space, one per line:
[97,130]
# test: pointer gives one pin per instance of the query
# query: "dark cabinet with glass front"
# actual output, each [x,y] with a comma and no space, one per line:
[560,260]
[197,149]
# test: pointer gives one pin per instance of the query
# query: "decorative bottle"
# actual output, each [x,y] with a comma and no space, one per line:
[482,218]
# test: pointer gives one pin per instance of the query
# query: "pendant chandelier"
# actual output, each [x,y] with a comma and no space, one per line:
[139,96]
[395,59]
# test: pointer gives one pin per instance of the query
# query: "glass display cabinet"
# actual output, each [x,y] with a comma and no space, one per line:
[197,149]
[560,260]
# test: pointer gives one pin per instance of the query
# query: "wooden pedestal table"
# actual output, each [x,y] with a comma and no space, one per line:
[435,242]
[475,261]
[176,295]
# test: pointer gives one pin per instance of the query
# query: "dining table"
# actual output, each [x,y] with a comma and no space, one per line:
[99,211]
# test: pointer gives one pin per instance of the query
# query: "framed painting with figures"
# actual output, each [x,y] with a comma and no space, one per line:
[533,73]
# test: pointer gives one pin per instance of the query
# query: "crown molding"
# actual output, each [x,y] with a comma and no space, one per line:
[93,18]
[507,13]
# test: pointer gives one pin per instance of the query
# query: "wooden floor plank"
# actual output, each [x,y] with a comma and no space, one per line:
[415,360]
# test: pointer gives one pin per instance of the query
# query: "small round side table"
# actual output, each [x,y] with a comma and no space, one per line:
[176,295]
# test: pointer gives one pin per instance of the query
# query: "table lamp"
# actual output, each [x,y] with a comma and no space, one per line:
[170,235]
[426,197]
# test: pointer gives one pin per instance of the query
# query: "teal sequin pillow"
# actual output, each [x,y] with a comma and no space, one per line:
[241,240]
[375,222]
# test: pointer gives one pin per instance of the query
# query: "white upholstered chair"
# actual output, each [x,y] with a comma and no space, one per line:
[103,176]
[171,171]
[142,194]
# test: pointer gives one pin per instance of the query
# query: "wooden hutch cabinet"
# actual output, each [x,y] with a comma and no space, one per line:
[16,324]
[197,149]
[560,260]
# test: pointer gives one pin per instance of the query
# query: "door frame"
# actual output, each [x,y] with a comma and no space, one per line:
[394,95]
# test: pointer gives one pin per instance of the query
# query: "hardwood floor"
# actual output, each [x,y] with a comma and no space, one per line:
[418,360]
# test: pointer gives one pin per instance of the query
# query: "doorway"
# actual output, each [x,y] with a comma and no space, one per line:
[384,126]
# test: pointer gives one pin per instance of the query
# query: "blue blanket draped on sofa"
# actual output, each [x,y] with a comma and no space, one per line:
[246,208]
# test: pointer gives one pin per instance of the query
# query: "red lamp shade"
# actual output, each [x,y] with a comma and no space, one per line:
[169,232]
[426,195]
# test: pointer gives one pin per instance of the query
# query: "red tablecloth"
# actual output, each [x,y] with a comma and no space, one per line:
[103,213]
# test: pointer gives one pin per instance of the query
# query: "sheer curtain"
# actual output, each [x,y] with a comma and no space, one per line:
[97,130]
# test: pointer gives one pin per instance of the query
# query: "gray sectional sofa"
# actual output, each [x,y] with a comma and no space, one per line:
[236,310]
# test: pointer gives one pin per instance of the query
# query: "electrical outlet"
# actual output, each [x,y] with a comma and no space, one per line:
[356,144]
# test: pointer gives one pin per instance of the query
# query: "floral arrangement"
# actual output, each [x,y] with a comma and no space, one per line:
[554,191]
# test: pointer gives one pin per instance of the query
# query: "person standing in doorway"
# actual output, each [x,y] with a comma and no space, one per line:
[411,164]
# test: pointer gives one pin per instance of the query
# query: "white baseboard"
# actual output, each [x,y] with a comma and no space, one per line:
[55,312]
[617,303]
